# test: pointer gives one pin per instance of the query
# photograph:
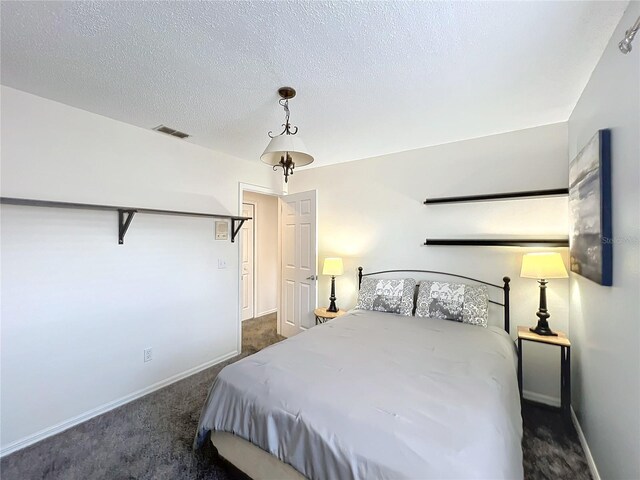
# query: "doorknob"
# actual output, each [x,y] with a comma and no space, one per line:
[312,277]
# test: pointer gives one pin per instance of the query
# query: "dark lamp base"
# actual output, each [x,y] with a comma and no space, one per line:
[332,299]
[543,330]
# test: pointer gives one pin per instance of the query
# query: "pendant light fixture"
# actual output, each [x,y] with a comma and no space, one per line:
[286,150]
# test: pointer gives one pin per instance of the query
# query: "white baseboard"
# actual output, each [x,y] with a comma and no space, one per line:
[585,446]
[83,417]
[538,397]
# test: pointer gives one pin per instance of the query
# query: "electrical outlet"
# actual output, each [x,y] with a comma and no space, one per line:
[222,263]
[148,354]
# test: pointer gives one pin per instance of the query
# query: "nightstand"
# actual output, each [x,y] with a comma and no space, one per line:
[322,315]
[565,364]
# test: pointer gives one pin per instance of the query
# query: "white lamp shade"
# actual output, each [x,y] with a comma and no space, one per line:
[283,144]
[333,266]
[543,265]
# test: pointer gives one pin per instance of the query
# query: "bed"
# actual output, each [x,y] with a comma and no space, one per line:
[373,395]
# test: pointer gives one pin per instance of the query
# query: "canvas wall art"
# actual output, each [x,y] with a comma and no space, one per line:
[591,242]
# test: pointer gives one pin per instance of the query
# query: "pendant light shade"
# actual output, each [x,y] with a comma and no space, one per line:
[281,145]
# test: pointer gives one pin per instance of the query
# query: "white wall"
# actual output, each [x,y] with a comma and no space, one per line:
[266,252]
[77,308]
[371,214]
[605,323]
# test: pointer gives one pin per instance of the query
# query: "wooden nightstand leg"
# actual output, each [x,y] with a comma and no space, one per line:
[520,368]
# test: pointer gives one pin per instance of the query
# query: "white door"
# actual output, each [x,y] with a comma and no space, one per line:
[248,210]
[299,262]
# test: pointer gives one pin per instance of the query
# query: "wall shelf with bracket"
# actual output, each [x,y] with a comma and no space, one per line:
[500,242]
[503,242]
[555,192]
[126,214]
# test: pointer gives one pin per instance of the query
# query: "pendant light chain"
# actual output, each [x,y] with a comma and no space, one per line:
[287,126]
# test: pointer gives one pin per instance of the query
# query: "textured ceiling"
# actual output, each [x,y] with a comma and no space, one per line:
[372,77]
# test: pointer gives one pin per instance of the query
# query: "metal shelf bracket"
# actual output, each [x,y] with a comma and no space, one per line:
[124,223]
[235,230]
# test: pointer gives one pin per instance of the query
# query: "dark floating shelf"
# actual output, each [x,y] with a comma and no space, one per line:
[514,242]
[125,214]
[499,196]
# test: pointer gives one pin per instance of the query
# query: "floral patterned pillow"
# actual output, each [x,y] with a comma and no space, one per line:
[454,301]
[392,296]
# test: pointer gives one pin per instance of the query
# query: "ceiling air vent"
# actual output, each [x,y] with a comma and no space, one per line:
[171,131]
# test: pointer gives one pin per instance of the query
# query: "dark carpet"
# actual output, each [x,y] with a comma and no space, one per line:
[551,449]
[151,438]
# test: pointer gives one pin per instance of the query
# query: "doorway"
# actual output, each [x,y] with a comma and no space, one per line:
[247,267]
[259,256]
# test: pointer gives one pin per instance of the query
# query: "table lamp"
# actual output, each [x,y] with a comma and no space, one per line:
[543,266]
[333,267]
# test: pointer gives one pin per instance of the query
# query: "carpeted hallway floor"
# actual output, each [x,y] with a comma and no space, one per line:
[151,437]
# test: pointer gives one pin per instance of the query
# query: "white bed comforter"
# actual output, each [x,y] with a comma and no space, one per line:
[375,395]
